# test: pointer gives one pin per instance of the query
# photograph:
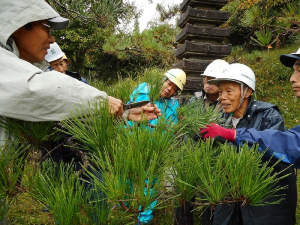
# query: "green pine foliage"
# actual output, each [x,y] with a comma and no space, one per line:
[193,116]
[154,78]
[12,160]
[280,18]
[219,174]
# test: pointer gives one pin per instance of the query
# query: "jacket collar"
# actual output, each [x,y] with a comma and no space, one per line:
[251,108]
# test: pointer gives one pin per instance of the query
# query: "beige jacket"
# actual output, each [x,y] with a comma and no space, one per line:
[26,91]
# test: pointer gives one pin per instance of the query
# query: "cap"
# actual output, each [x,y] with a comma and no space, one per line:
[58,23]
[54,53]
[290,59]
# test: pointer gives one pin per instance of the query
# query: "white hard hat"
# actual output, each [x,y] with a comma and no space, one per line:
[177,76]
[290,59]
[214,68]
[236,72]
[54,53]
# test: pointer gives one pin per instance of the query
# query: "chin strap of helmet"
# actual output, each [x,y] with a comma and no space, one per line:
[243,94]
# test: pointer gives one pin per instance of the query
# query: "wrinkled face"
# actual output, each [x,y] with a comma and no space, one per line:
[229,95]
[295,79]
[168,89]
[59,65]
[34,43]
[210,89]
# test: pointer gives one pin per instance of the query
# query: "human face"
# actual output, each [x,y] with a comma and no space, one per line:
[59,65]
[229,96]
[168,89]
[210,89]
[295,79]
[34,43]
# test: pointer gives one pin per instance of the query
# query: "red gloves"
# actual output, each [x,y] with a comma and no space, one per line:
[213,130]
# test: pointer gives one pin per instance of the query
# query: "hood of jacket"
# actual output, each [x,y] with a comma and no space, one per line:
[17,13]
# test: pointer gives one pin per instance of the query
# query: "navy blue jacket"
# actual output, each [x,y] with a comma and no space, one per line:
[285,145]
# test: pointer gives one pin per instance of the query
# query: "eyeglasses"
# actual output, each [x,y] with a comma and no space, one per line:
[48,27]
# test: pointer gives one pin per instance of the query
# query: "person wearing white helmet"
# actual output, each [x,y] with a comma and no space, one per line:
[208,97]
[210,92]
[236,83]
[59,62]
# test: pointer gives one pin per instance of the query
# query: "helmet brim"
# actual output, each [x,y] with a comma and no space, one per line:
[176,83]
[207,75]
[289,60]
[218,81]
[58,23]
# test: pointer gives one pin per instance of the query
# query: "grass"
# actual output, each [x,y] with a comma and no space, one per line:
[272,86]
[28,211]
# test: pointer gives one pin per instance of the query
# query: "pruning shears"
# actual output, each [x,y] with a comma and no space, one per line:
[134,105]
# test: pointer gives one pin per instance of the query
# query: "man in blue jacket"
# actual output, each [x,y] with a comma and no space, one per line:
[285,145]
[175,80]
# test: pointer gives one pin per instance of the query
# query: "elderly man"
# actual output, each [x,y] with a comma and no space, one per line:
[210,93]
[27,92]
[236,83]
[285,145]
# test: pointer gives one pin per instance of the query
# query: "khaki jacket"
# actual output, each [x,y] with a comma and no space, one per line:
[26,91]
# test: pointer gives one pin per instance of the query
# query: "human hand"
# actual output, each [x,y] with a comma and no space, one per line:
[147,112]
[115,106]
[215,131]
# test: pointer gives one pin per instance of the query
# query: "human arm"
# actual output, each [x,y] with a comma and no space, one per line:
[281,144]
[28,93]
[285,145]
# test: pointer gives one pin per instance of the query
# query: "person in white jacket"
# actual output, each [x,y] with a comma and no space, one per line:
[26,91]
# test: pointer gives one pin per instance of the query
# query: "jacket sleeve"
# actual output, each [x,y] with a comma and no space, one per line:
[28,93]
[285,145]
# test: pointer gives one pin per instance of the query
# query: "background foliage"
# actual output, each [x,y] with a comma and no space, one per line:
[280,17]
[100,45]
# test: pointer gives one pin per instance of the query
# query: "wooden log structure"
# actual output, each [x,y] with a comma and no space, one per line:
[201,40]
